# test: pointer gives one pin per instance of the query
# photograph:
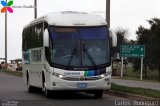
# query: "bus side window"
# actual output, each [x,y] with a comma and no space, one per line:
[29,38]
[24,40]
[37,35]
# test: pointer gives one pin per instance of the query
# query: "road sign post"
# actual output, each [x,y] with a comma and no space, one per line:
[121,67]
[135,51]
[141,68]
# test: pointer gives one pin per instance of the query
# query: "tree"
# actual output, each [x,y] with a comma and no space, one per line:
[121,39]
[122,35]
[150,38]
[144,38]
[155,33]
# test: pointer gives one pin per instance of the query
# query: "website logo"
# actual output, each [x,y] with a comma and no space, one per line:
[6,6]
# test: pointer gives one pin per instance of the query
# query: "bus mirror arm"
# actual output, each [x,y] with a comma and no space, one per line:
[113,38]
[46,38]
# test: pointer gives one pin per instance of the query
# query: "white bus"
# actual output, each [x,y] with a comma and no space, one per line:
[67,51]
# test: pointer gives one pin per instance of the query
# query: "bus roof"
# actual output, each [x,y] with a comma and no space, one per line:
[71,18]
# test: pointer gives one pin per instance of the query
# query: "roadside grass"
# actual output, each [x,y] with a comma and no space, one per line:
[129,74]
[137,91]
[137,79]
[14,73]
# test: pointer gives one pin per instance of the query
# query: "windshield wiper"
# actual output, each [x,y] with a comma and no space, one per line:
[70,60]
[90,57]
[85,51]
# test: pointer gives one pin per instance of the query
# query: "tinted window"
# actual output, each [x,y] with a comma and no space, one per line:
[33,37]
[80,47]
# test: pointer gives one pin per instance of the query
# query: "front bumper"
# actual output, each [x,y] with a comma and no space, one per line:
[61,84]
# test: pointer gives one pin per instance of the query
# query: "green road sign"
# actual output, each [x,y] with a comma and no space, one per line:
[136,51]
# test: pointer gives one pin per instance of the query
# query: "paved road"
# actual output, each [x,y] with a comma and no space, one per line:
[142,84]
[12,88]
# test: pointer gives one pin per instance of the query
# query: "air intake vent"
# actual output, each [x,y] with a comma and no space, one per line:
[81,78]
[73,12]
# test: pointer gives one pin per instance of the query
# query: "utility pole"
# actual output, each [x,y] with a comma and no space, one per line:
[108,20]
[108,12]
[35,9]
[6,38]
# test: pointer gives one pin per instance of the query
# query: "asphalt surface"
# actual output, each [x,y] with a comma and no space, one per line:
[13,92]
[141,84]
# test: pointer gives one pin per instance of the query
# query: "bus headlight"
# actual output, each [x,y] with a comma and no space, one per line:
[103,75]
[108,73]
[57,75]
[60,76]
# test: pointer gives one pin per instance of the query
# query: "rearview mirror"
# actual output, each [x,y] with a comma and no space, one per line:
[46,38]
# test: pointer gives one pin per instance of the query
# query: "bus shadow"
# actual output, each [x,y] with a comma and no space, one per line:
[72,95]
[66,95]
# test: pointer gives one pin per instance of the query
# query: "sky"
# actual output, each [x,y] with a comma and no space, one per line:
[128,14]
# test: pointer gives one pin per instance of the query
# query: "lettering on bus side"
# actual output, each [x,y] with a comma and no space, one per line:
[36,55]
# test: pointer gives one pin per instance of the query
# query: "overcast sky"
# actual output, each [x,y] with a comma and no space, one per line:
[128,14]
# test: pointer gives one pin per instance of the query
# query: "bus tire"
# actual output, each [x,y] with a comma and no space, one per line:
[29,87]
[47,92]
[98,94]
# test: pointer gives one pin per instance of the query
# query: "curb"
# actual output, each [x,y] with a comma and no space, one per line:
[129,96]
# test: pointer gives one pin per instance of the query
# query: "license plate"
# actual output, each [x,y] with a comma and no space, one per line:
[82,85]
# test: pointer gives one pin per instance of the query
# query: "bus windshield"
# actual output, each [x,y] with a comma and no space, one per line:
[79,47]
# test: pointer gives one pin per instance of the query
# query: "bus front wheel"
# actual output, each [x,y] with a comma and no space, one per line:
[47,92]
[98,94]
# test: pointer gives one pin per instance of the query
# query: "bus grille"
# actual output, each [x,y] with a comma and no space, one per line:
[81,78]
